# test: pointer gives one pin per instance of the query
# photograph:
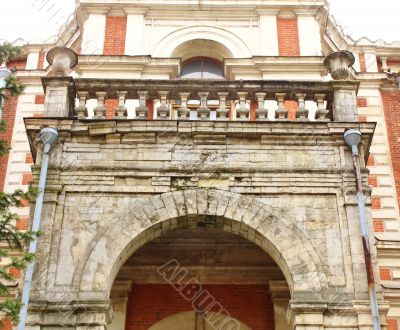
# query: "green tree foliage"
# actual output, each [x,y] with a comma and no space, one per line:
[8,52]
[12,240]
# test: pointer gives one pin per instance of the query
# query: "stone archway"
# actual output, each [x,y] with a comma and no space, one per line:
[229,40]
[202,48]
[150,217]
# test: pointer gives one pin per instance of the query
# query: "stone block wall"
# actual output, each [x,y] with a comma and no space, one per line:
[115,185]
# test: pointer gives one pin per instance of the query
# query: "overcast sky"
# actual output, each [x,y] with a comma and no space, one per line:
[40,20]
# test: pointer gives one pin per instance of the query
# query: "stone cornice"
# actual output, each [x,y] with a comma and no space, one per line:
[142,64]
[275,64]
[175,86]
[128,130]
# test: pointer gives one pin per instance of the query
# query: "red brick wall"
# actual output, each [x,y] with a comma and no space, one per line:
[39,99]
[391,106]
[150,303]
[114,43]
[385,274]
[362,102]
[9,110]
[392,324]
[393,63]
[150,107]
[379,226]
[253,109]
[110,105]
[291,107]
[41,61]
[288,37]
[363,64]
[19,64]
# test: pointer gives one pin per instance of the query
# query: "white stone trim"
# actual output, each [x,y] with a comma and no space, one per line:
[237,46]
[94,34]
[309,36]
[135,31]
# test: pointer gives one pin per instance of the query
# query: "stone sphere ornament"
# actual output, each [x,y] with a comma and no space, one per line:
[338,64]
[62,59]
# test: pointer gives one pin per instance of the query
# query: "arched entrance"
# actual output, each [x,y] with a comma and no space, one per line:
[142,220]
[201,279]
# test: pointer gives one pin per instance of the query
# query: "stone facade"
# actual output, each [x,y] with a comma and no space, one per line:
[266,162]
[110,193]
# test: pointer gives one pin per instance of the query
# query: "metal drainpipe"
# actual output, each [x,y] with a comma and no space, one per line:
[353,138]
[49,137]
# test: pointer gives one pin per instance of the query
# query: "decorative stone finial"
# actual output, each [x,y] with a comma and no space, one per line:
[338,64]
[62,60]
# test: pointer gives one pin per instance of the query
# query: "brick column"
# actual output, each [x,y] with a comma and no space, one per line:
[115,35]
[9,112]
[288,36]
[391,107]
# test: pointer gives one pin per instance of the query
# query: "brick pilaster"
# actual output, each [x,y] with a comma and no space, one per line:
[114,42]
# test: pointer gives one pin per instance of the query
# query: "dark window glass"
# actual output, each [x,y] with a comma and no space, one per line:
[202,68]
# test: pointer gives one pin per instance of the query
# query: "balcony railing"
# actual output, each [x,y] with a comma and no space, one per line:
[200,99]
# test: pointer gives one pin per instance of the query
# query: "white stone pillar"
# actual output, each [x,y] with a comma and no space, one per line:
[371,61]
[307,316]
[94,30]
[309,35]
[32,61]
[119,313]
[268,33]
[135,31]
[280,296]
[345,101]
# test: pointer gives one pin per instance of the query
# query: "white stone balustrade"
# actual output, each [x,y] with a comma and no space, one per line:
[81,109]
[100,110]
[203,111]
[212,100]
[262,112]
[163,110]
[141,110]
[302,112]
[183,111]
[281,113]
[121,111]
[222,111]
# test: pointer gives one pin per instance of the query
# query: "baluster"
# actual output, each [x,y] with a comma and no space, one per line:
[322,112]
[184,111]
[203,111]
[302,112]
[243,110]
[163,109]
[385,67]
[281,113]
[100,110]
[141,110]
[222,111]
[261,112]
[121,111]
[81,110]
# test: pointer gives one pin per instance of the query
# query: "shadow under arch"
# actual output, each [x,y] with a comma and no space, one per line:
[151,217]
[186,320]
[166,46]
[202,48]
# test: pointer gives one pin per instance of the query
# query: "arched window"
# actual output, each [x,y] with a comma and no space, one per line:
[202,68]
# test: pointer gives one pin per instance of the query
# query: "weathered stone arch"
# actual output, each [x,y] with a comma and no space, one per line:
[236,45]
[151,217]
